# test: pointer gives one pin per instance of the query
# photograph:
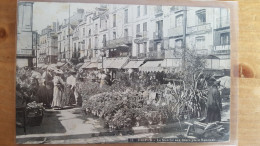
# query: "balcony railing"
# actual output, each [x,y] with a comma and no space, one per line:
[201,28]
[157,35]
[139,34]
[119,41]
[143,34]
[152,55]
[222,22]
[177,31]
[141,55]
[221,50]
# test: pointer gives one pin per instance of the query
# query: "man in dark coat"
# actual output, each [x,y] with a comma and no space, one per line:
[214,105]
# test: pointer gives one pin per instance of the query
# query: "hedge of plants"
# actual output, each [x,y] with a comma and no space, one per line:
[123,108]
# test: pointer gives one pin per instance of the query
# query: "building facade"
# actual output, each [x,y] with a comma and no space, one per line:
[48,45]
[145,32]
[67,33]
[25,52]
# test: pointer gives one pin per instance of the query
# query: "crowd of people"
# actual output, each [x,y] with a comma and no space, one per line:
[57,88]
[52,87]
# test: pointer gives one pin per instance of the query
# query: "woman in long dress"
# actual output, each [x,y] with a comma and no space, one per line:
[102,79]
[45,91]
[58,90]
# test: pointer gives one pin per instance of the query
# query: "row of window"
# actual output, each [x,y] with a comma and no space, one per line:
[139,10]
[201,17]
[199,43]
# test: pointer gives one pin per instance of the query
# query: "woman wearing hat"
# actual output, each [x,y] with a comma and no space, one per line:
[214,105]
[45,91]
[58,90]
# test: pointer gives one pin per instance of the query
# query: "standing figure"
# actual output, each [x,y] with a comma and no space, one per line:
[214,105]
[58,90]
[71,82]
[48,77]
[45,91]
[102,79]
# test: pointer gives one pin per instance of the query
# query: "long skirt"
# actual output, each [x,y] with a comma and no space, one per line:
[57,97]
[69,96]
[213,115]
[102,83]
[44,96]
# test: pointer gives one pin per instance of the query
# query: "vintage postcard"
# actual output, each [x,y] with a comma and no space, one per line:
[122,73]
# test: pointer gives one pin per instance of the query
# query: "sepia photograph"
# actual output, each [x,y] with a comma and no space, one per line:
[122,73]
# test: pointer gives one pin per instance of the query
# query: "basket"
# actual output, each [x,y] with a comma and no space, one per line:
[34,117]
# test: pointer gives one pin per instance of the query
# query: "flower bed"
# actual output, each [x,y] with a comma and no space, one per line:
[124,110]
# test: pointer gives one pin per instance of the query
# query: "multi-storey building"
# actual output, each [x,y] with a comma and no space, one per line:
[89,35]
[25,52]
[221,32]
[35,47]
[65,35]
[48,47]
[120,31]
[148,33]
[142,21]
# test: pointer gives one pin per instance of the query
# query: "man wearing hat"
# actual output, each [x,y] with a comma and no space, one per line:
[214,105]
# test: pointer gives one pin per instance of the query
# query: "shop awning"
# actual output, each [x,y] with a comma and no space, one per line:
[85,65]
[92,65]
[134,64]
[151,66]
[59,64]
[107,62]
[79,65]
[44,66]
[117,63]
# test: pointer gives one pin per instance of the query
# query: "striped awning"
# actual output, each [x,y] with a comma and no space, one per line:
[134,64]
[151,66]
[59,64]
[92,65]
[85,65]
[116,63]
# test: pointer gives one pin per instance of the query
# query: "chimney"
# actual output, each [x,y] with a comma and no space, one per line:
[54,27]
[58,26]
